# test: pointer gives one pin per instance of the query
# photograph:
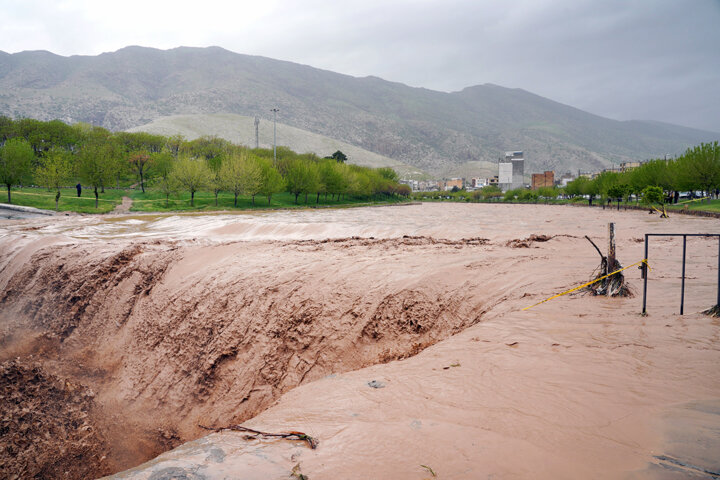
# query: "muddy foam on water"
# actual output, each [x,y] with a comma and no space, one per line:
[177,321]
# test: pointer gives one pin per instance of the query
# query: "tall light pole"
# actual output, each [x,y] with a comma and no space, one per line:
[257,135]
[275,110]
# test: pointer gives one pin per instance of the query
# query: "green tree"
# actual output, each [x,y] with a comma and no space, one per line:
[302,177]
[191,175]
[404,190]
[388,174]
[16,158]
[701,165]
[617,192]
[338,156]
[140,162]
[242,173]
[331,177]
[653,194]
[272,181]
[163,164]
[53,171]
[97,165]
[252,176]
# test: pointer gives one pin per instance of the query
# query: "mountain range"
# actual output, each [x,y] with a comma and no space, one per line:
[445,134]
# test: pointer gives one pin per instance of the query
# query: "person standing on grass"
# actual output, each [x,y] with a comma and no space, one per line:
[79,189]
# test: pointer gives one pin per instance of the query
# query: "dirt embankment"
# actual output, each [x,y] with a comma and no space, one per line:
[172,335]
[47,426]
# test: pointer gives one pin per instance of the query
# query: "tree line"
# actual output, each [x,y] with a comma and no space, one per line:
[697,170]
[656,181]
[53,154]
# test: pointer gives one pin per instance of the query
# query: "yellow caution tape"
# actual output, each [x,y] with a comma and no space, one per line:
[691,200]
[644,260]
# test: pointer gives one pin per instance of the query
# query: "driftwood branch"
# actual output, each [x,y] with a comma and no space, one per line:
[596,247]
[311,441]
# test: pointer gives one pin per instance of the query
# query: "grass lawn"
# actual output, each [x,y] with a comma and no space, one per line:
[154,201]
[713,206]
[69,201]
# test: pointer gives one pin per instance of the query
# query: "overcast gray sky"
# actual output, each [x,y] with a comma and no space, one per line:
[623,59]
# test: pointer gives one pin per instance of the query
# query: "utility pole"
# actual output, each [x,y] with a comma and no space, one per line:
[275,110]
[257,136]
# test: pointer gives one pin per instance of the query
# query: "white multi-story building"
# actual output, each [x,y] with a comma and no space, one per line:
[511,171]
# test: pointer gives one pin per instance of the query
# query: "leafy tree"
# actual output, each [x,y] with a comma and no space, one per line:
[547,192]
[253,176]
[16,158]
[174,144]
[302,177]
[338,156]
[54,170]
[163,165]
[512,195]
[404,190]
[388,174]
[488,192]
[207,147]
[97,165]
[528,195]
[653,194]
[241,173]
[702,166]
[140,163]
[272,181]
[617,192]
[331,177]
[191,175]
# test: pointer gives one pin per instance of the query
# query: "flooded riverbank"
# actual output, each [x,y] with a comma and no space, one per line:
[281,319]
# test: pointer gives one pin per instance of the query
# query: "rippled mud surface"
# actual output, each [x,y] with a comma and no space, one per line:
[286,321]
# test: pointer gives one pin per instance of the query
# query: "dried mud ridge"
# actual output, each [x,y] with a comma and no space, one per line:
[47,428]
[165,353]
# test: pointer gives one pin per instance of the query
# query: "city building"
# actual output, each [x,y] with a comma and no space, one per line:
[546,179]
[450,183]
[627,166]
[564,179]
[478,182]
[511,170]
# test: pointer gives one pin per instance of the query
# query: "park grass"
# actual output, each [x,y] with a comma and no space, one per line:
[704,205]
[154,201]
[69,201]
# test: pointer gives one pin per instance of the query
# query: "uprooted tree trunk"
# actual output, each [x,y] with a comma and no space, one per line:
[613,285]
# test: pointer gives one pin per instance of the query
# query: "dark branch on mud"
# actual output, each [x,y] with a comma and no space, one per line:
[311,441]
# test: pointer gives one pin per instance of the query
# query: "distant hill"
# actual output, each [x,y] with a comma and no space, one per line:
[443,133]
[240,129]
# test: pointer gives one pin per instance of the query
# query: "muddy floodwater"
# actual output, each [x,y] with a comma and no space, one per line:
[394,336]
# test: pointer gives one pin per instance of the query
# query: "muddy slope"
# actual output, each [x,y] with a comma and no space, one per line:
[47,428]
[175,335]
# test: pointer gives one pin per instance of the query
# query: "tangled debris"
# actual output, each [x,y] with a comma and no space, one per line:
[613,285]
[527,242]
[311,441]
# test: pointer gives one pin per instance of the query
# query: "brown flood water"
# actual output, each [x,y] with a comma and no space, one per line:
[216,319]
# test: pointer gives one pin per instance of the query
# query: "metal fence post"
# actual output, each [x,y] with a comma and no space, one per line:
[645,275]
[682,287]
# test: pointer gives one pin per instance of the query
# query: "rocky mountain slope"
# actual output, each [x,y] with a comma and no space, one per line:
[443,133]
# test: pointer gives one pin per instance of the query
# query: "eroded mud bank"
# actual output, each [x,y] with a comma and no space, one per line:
[199,328]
